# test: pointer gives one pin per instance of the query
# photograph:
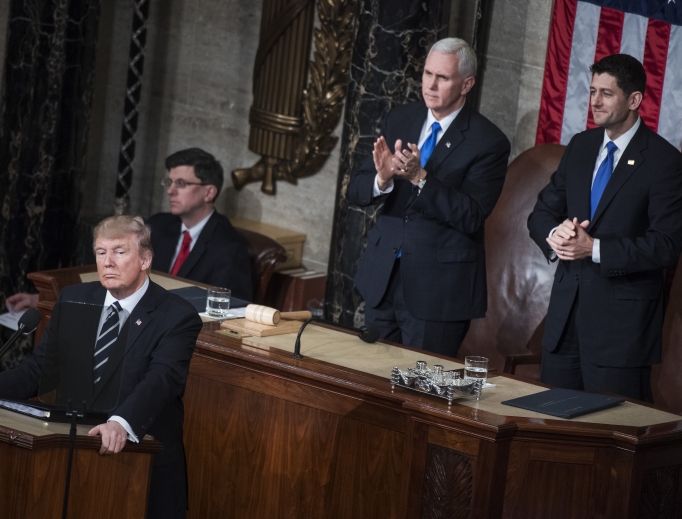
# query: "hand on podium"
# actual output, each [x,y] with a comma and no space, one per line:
[114,437]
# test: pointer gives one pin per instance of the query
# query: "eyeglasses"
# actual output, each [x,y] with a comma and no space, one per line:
[179,183]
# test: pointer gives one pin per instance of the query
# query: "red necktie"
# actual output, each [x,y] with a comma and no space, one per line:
[182,255]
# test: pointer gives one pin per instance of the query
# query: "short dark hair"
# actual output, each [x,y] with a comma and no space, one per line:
[628,71]
[206,167]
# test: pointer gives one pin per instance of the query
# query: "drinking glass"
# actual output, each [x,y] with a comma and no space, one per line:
[218,302]
[476,368]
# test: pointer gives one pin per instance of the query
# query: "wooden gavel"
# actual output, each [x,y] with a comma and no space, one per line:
[266,315]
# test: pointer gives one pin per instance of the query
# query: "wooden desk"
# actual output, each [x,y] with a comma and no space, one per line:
[325,436]
[33,461]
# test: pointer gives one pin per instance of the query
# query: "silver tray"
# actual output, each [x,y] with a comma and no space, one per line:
[437,382]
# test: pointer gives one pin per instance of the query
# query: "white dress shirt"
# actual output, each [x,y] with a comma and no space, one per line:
[445,123]
[194,233]
[127,306]
[621,143]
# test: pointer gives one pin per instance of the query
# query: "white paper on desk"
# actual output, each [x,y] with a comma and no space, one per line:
[233,313]
[11,318]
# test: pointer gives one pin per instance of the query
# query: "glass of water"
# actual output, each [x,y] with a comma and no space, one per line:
[476,368]
[218,302]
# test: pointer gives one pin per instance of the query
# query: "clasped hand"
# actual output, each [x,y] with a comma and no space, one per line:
[405,163]
[570,241]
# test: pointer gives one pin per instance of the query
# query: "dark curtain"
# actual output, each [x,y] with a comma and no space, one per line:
[45,112]
[46,101]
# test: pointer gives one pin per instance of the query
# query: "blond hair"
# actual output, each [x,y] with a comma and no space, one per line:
[124,225]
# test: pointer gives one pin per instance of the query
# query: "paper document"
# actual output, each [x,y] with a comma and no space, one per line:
[25,409]
[11,318]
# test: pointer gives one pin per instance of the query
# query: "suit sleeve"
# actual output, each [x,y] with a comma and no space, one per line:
[551,207]
[465,208]
[23,380]
[361,187]
[166,374]
[660,246]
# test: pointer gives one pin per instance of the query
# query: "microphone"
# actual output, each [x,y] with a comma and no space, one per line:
[27,323]
[366,334]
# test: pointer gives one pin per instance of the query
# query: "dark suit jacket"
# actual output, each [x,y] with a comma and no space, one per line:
[151,371]
[440,231]
[220,256]
[639,223]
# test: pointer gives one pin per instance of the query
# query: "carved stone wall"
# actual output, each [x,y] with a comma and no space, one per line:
[386,70]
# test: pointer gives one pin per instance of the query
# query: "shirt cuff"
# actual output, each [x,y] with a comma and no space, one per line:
[552,254]
[596,253]
[126,426]
[378,192]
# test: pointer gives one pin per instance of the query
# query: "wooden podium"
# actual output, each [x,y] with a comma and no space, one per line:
[33,462]
[326,436]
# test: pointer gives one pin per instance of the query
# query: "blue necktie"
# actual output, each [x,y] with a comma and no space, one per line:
[429,144]
[106,338]
[602,178]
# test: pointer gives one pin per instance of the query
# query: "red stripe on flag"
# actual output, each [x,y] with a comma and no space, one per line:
[655,59]
[608,41]
[556,72]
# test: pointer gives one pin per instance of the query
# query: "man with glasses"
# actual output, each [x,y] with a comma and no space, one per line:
[194,241]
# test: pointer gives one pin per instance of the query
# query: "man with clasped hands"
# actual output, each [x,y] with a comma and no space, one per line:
[611,214]
[438,167]
[158,331]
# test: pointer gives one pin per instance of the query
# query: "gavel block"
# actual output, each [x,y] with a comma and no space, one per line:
[262,321]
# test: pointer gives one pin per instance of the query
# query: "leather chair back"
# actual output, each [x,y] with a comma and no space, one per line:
[519,276]
[265,254]
[666,377]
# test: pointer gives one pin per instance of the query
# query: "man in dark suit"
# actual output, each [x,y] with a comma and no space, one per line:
[194,241]
[138,338]
[612,214]
[438,167]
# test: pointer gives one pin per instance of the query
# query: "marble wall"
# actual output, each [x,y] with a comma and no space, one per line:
[4,20]
[196,92]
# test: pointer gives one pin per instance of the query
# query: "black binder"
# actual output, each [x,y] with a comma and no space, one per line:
[564,403]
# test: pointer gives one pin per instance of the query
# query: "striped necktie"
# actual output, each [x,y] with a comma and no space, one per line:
[106,338]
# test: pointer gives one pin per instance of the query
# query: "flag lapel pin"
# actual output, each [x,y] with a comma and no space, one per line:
[138,322]
[631,162]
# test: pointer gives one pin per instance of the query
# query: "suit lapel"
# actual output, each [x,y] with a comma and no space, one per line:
[200,246]
[583,178]
[450,140]
[168,245]
[629,162]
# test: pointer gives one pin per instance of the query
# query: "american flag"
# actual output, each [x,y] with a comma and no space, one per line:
[584,31]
